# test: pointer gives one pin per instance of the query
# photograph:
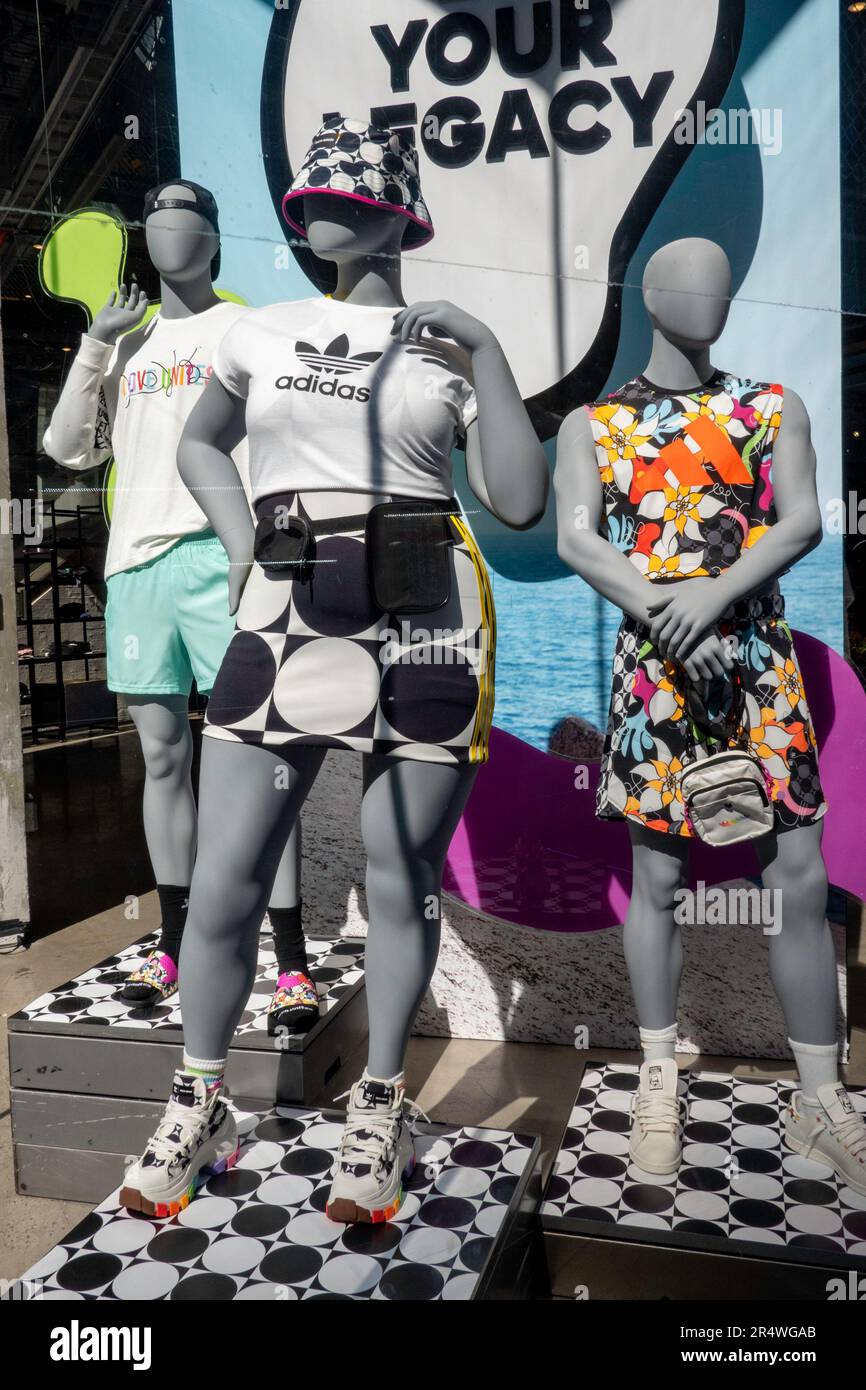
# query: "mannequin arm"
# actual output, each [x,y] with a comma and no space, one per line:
[71,433]
[683,616]
[798,528]
[215,427]
[579,509]
[505,462]
[70,436]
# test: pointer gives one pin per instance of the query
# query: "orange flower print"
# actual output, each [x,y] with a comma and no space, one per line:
[785,681]
[718,408]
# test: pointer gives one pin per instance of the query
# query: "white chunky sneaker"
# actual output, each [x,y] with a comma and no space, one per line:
[655,1143]
[834,1134]
[196,1137]
[376,1153]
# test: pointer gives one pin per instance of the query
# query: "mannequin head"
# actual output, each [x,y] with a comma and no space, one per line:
[341,230]
[687,292]
[181,243]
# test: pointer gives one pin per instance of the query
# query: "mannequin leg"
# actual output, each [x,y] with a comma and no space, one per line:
[802,959]
[163,729]
[286,892]
[652,941]
[409,814]
[249,799]
[162,723]
[821,1121]
[653,948]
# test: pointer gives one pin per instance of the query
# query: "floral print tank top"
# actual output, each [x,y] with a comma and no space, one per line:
[686,474]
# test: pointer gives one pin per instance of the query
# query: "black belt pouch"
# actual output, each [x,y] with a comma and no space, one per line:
[285,547]
[408,557]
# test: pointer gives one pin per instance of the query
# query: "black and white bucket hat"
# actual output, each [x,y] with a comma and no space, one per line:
[372,164]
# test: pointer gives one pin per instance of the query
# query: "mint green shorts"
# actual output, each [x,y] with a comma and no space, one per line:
[168,621]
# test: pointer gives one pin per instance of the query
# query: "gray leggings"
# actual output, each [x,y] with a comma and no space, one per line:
[249,800]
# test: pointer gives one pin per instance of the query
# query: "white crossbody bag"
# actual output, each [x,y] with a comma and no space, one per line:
[726,795]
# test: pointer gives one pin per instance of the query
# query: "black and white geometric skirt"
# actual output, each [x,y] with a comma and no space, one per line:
[317,662]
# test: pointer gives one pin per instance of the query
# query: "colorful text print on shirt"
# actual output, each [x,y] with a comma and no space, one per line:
[148,381]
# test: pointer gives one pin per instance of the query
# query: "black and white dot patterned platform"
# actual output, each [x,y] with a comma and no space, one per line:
[260,1230]
[738,1189]
[90,1001]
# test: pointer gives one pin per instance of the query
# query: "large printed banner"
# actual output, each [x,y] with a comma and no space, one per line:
[548,135]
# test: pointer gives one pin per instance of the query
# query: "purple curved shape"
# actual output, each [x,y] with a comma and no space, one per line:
[530,850]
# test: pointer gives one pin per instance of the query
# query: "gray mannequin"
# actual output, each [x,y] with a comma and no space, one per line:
[183,243]
[686,289]
[410,808]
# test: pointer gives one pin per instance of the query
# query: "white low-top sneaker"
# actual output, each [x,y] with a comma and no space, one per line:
[196,1138]
[834,1134]
[655,1143]
[376,1154]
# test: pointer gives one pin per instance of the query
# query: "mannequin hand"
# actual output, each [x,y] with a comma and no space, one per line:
[681,616]
[239,548]
[709,658]
[443,320]
[119,314]
[238,576]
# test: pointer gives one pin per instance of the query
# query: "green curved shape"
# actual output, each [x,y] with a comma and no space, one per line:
[82,259]
[82,262]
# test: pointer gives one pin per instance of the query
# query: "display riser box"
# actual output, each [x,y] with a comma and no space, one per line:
[89,1079]
[467,1229]
[744,1218]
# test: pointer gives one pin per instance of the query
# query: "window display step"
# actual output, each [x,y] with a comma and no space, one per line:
[744,1217]
[467,1229]
[89,1072]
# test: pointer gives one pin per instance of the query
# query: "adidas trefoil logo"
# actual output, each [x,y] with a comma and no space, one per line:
[327,367]
[335,357]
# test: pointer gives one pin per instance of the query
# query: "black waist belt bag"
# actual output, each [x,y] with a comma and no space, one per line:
[285,546]
[408,557]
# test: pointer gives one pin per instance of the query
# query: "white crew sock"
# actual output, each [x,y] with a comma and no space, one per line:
[658,1042]
[398,1080]
[817,1063]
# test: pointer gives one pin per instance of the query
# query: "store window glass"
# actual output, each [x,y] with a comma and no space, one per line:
[88,122]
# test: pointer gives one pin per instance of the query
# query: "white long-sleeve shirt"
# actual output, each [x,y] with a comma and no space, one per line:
[150,381]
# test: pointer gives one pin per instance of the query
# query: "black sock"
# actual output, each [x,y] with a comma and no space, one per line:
[289,942]
[173,903]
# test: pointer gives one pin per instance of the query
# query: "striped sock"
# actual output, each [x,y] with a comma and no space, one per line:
[212,1073]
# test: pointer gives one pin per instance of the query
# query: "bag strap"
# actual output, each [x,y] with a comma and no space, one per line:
[734,720]
[412,506]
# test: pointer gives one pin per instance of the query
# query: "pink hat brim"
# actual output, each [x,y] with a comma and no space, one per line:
[425,227]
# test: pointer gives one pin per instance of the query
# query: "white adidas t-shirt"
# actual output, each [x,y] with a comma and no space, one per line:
[151,380]
[334,401]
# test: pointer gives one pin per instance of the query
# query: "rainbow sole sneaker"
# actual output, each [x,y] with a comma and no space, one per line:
[195,1139]
[376,1155]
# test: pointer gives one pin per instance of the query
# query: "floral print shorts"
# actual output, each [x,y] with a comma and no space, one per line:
[647,741]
